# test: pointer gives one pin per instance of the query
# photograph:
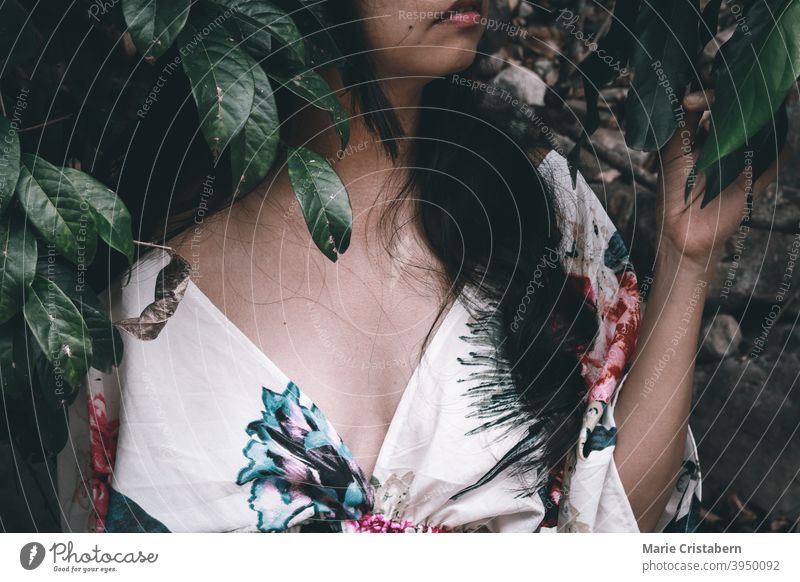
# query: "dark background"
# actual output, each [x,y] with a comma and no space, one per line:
[746,409]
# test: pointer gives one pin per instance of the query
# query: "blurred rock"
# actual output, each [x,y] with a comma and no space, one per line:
[757,265]
[526,85]
[615,139]
[720,337]
[745,422]
[500,11]
[778,207]
[546,70]
[488,66]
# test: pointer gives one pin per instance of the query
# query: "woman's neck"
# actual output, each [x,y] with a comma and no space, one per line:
[363,164]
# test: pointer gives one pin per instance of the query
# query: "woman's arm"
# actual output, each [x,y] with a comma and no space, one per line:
[653,407]
[652,410]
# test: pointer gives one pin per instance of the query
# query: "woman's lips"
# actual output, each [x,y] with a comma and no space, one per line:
[465,18]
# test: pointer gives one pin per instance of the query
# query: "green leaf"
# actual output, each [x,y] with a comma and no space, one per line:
[19,39]
[107,346]
[760,67]
[38,429]
[51,425]
[250,33]
[257,41]
[9,163]
[53,428]
[111,217]
[758,151]
[9,385]
[706,30]
[17,263]
[60,331]
[758,15]
[155,24]
[47,380]
[222,82]
[21,339]
[667,35]
[324,200]
[708,23]
[254,149]
[58,212]
[309,85]
[268,16]
[17,358]
[317,31]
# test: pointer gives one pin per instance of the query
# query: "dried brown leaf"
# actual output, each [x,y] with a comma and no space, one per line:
[171,285]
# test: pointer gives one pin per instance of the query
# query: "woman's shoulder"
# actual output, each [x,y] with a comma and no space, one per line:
[538,155]
[555,170]
[575,200]
[587,230]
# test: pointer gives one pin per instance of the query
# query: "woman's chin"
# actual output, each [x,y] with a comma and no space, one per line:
[457,60]
[438,61]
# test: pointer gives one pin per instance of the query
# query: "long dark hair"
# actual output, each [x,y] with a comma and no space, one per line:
[490,217]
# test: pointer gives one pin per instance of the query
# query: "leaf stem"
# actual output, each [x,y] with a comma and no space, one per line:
[45,123]
[153,245]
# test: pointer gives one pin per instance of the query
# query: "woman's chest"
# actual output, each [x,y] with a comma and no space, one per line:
[214,436]
[350,335]
[353,358]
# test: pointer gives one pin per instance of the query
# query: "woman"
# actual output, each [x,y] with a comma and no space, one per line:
[468,350]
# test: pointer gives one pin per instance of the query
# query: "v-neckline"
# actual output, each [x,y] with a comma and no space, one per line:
[405,398]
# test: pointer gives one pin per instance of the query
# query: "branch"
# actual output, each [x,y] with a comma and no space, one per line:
[45,123]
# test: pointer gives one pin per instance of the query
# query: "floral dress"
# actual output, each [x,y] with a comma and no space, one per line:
[199,431]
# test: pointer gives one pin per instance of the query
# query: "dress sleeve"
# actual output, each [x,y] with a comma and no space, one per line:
[595,258]
[85,467]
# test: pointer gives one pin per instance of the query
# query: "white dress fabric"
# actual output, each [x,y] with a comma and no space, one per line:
[198,430]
